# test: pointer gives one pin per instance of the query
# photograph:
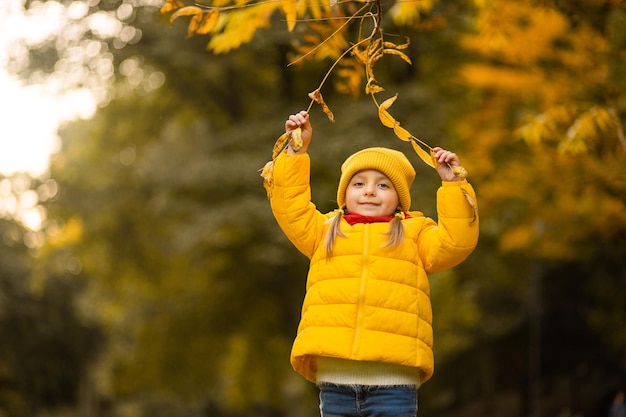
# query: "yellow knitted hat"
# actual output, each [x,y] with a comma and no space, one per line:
[393,164]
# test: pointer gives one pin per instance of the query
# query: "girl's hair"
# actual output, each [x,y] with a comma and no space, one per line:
[395,233]
[396,230]
[333,231]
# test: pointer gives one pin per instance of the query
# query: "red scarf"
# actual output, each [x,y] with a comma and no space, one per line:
[354,218]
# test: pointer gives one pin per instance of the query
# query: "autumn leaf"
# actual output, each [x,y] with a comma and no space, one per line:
[280,144]
[374,47]
[295,139]
[402,55]
[267,172]
[361,56]
[317,97]
[239,26]
[427,157]
[186,11]
[402,133]
[210,21]
[385,118]
[170,5]
[459,171]
[194,24]
[372,87]
[391,45]
[471,202]
[388,121]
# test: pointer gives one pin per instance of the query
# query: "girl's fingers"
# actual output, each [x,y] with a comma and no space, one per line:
[444,156]
[298,119]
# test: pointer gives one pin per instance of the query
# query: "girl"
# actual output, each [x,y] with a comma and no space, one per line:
[365,336]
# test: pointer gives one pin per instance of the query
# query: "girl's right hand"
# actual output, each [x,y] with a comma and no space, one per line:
[300,120]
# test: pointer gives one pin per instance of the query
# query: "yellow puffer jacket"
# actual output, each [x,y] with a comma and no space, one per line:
[368,302]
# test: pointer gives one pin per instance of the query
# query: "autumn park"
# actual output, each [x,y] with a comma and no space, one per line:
[156,282]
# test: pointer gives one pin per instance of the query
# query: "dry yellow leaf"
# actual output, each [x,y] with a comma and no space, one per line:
[402,55]
[360,55]
[385,118]
[170,5]
[268,179]
[472,204]
[239,25]
[396,46]
[186,11]
[295,139]
[280,144]
[372,88]
[210,20]
[194,24]
[460,172]
[373,47]
[428,158]
[402,133]
[317,97]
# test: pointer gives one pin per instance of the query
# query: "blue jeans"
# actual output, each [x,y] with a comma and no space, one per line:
[367,401]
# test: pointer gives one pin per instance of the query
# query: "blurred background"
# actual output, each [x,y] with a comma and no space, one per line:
[141,270]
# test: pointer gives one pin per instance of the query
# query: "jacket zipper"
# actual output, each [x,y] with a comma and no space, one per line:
[363,284]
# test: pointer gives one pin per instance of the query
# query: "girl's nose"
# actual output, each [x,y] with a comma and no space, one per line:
[369,190]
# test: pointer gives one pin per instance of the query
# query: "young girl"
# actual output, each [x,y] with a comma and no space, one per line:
[365,335]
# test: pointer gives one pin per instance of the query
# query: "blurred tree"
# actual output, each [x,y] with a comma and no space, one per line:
[46,347]
[543,133]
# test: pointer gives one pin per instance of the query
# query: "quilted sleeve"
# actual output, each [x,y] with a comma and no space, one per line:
[291,203]
[455,236]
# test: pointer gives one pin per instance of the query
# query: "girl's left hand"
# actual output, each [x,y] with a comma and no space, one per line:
[446,161]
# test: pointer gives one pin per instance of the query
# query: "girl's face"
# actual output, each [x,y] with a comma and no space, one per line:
[371,193]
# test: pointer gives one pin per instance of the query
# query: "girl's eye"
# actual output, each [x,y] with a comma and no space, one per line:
[383,185]
[358,184]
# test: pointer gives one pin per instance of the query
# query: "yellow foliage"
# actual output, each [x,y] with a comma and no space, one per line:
[317,9]
[389,121]
[587,130]
[222,3]
[506,79]
[546,126]
[171,5]
[234,22]
[238,26]
[295,139]
[385,118]
[210,21]
[71,233]
[196,17]
[585,52]
[517,238]
[516,31]
[317,97]
[402,55]
[407,13]
[350,75]
[324,40]
[289,8]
